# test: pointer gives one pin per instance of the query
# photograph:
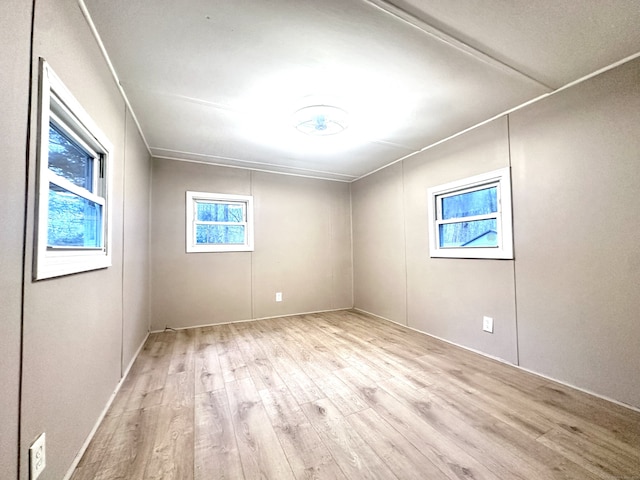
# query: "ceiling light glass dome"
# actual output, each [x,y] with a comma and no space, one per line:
[320,120]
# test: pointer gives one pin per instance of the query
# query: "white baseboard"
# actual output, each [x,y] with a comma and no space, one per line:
[251,319]
[86,443]
[538,374]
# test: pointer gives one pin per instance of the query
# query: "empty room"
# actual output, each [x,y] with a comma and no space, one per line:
[350,239]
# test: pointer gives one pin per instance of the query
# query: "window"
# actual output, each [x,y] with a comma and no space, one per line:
[471,218]
[218,222]
[73,215]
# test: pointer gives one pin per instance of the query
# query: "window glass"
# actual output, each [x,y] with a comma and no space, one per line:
[73,215]
[207,234]
[469,204]
[219,222]
[220,212]
[73,221]
[471,217]
[69,160]
[478,233]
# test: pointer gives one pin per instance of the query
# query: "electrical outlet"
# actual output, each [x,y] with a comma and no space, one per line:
[278,296]
[487,324]
[37,457]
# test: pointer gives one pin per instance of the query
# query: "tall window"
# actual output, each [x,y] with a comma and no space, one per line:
[73,227]
[471,218]
[219,223]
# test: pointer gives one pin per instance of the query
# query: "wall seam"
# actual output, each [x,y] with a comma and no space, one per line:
[515,289]
[149,226]
[404,241]
[332,295]
[252,252]
[27,161]
[353,270]
[124,222]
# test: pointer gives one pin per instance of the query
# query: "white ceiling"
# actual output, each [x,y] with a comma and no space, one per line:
[219,80]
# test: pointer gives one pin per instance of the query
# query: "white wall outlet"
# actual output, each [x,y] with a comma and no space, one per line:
[278,296]
[487,324]
[37,457]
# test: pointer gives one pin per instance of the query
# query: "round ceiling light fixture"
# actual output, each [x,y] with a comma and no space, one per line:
[320,120]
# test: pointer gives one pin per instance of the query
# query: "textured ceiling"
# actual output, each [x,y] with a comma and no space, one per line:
[219,81]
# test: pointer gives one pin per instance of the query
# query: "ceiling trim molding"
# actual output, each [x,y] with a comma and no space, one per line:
[510,111]
[103,50]
[400,14]
[415,22]
[252,162]
[186,98]
[252,169]
[392,144]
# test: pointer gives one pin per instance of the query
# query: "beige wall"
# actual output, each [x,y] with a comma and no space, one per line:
[81,331]
[302,248]
[448,297]
[379,267]
[15,31]
[575,170]
[576,183]
[136,309]
[194,289]
[576,275]
[394,276]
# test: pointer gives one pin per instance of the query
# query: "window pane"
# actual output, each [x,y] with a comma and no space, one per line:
[478,202]
[220,234]
[220,212]
[73,221]
[480,233]
[69,160]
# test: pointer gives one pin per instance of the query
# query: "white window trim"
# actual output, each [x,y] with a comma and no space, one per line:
[192,197]
[57,104]
[502,179]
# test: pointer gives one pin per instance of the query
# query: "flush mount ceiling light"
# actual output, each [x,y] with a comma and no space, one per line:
[320,120]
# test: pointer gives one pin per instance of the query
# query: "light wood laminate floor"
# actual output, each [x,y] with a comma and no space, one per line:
[344,396]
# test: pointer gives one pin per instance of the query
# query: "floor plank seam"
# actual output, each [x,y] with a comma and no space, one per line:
[341,395]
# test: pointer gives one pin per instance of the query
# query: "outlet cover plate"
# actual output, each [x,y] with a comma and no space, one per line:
[487,324]
[278,296]
[37,457]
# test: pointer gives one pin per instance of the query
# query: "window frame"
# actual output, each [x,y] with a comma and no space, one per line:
[500,178]
[192,199]
[58,106]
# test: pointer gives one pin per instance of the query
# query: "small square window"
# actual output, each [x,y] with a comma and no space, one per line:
[471,218]
[219,222]
[72,209]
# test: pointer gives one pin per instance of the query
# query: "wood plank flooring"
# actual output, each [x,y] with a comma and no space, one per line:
[341,395]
